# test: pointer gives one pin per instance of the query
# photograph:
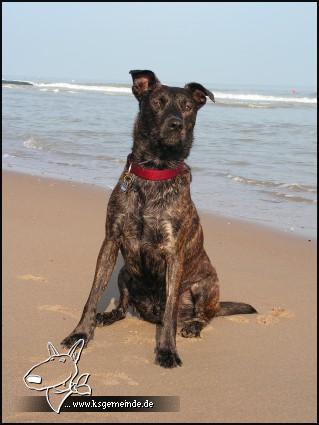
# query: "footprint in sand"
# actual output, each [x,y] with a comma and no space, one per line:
[237,319]
[97,346]
[136,360]
[274,316]
[282,312]
[267,319]
[33,278]
[59,309]
[115,378]
[271,318]
[134,338]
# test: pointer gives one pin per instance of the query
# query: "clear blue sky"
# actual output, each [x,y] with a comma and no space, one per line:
[224,43]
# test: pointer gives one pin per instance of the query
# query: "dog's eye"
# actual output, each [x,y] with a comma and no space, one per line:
[188,107]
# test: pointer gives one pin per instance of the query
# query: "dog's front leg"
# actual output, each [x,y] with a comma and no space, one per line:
[166,353]
[104,267]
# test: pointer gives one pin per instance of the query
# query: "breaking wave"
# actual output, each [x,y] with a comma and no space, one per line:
[251,100]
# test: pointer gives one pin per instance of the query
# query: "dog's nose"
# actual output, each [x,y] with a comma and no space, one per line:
[175,124]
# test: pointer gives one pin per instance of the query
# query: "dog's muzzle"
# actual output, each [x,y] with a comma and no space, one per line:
[172,130]
[174,124]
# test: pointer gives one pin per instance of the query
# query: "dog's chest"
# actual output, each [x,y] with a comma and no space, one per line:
[146,230]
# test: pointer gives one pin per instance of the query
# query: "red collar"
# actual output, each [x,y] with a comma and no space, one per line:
[154,174]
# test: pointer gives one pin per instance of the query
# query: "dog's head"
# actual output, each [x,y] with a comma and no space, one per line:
[167,116]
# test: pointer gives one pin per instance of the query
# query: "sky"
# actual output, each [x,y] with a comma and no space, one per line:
[224,43]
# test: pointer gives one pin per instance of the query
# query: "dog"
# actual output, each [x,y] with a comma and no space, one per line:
[151,219]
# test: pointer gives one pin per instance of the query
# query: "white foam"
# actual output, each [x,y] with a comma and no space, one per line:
[295,198]
[293,187]
[32,143]
[259,100]
[263,98]
[68,86]
[298,187]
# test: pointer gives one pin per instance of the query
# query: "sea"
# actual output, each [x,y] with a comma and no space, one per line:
[253,157]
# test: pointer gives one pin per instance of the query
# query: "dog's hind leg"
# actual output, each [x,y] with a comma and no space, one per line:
[119,313]
[200,303]
[203,297]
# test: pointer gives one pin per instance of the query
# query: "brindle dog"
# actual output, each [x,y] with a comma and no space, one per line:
[167,275]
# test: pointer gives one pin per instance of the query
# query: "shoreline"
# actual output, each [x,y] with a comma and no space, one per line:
[245,368]
[203,212]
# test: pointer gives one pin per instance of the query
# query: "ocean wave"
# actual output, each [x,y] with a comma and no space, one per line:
[85,87]
[294,187]
[250,100]
[250,97]
[299,187]
[242,104]
[32,143]
[244,98]
[291,198]
[62,151]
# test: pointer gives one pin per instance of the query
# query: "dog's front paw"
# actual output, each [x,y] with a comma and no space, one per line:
[70,340]
[167,358]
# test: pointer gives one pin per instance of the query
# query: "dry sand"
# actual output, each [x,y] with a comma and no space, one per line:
[254,368]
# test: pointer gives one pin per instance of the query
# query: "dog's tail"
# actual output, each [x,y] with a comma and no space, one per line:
[227,308]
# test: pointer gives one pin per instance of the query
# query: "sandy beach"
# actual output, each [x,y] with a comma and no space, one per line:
[254,368]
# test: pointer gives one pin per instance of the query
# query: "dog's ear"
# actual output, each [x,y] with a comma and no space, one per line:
[199,93]
[143,82]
